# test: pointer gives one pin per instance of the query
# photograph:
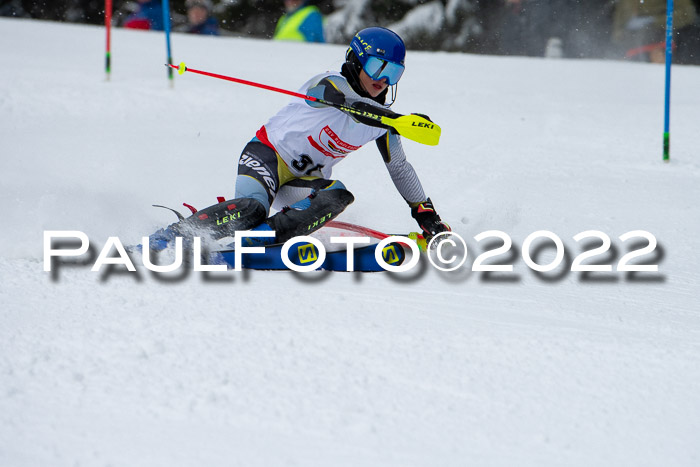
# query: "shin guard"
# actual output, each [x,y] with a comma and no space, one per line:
[223,219]
[309,214]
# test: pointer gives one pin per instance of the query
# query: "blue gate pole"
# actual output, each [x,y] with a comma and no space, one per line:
[669,56]
[166,24]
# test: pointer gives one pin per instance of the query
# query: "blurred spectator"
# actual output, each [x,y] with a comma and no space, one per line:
[301,22]
[532,27]
[688,38]
[549,28]
[589,28]
[639,28]
[199,18]
[149,15]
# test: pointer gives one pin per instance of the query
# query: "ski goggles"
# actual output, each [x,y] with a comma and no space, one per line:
[377,68]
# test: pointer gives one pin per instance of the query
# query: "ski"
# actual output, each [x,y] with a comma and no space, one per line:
[306,253]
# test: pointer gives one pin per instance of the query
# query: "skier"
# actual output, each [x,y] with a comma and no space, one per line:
[300,22]
[298,147]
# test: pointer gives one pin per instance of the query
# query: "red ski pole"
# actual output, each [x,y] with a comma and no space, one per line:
[182,69]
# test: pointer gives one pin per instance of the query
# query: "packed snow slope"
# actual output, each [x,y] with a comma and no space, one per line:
[424,368]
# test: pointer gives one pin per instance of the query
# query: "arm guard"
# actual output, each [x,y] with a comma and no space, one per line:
[326,90]
[401,171]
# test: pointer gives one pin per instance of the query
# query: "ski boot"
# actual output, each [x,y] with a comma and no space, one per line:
[215,222]
[305,216]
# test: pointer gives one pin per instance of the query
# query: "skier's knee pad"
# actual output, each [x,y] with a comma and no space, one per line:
[334,185]
[223,219]
[311,213]
[249,187]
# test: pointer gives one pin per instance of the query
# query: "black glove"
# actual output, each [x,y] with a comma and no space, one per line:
[424,116]
[428,220]
[374,109]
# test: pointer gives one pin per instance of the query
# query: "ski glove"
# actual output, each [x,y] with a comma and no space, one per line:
[376,110]
[423,115]
[428,220]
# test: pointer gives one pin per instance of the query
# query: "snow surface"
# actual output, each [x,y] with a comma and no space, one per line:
[274,368]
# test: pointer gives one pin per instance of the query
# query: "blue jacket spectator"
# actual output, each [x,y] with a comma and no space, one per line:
[148,16]
[301,22]
[199,19]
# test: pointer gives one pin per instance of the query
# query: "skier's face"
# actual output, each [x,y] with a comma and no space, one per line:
[197,15]
[373,87]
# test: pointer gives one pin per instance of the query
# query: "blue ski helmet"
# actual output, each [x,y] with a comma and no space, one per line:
[379,52]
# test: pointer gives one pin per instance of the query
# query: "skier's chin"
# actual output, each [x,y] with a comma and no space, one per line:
[376,89]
